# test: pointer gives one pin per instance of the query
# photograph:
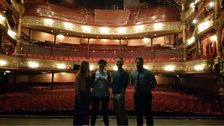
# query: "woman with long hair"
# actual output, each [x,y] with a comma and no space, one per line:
[82,95]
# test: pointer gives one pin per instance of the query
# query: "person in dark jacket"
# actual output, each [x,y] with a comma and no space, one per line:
[144,82]
[120,80]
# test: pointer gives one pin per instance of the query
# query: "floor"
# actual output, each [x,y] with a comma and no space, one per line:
[67,121]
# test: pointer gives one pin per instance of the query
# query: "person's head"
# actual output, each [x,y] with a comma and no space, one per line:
[102,63]
[119,63]
[139,63]
[84,67]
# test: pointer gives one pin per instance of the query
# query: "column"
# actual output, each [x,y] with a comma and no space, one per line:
[52,47]
[18,39]
[120,54]
[52,80]
[198,40]
[29,35]
[87,55]
[184,32]
[218,28]
[153,49]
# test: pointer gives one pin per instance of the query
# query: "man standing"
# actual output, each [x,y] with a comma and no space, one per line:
[100,92]
[144,81]
[120,80]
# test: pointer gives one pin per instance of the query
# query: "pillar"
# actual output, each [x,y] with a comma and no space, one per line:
[184,32]
[19,27]
[218,28]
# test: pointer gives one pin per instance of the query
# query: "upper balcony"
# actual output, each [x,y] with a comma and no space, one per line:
[100,23]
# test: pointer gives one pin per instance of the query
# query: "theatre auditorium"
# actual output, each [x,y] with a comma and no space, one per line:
[43,42]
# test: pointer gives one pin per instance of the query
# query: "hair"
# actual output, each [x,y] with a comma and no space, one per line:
[139,58]
[102,61]
[121,59]
[81,67]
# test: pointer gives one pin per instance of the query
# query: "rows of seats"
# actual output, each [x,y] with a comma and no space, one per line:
[177,102]
[45,9]
[80,59]
[78,15]
[66,46]
[45,100]
[63,99]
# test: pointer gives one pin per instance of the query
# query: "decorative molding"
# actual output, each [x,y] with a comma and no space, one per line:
[31,21]
[20,63]
[15,5]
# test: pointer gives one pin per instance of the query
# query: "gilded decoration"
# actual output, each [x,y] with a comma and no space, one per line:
[16,5]
[195,66]
[30,21]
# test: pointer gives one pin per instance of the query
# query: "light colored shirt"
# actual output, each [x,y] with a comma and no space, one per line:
[101,87]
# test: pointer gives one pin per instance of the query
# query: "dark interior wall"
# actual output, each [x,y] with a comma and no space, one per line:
[41,78]
[203,83]
[202,87]
[101,4]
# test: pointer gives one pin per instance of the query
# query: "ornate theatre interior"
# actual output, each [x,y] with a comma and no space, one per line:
[181,42]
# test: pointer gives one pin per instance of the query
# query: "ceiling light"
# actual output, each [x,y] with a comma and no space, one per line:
[194,21]
[91,67]
[48,21]
[32,64]
[7,71]
[115,68]
[2,18]
[86,29]
[199,67]
[3,62]
[169,67]
[121,30]
[191,40]
[104,40]
[11,34]
[68,25]
[192,5]
[213,38]
[204,25]
[153,17]
[61,66]
[63,73]
[146,40]
[147,67]
[211,4]
[104,30]
[158,26]
[196,1]
[139,28]
[60,36]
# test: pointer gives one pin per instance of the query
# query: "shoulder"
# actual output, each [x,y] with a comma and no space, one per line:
[78,74]
[94,73]
[114,73]
[126,72]
[133,72]
[148,72]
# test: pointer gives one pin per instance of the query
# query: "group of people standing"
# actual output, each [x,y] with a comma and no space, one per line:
[96,87]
